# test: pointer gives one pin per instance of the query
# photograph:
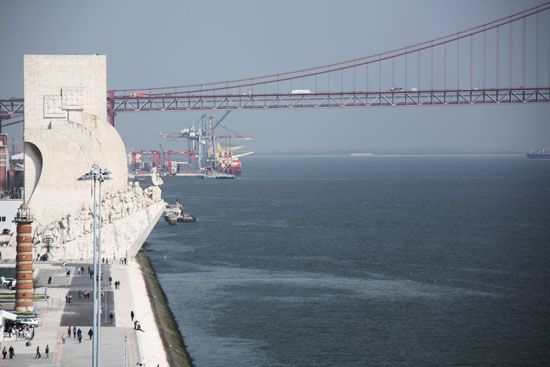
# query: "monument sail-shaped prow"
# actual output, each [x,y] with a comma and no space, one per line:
[66,132]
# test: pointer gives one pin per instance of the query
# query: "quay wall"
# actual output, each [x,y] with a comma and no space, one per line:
[172,340]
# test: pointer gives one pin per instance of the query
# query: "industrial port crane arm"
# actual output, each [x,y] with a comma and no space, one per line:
[221,119]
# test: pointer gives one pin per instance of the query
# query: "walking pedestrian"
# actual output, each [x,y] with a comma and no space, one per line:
[74,332]
[12,352]
[132,315]
[37,355]
[4,353]
[110,280]
[90,333]
[79,333]
[63,338]
[47,351]
[69,331]
[50,280]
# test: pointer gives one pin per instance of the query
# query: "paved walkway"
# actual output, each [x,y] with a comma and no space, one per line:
[132,296]
[117,340]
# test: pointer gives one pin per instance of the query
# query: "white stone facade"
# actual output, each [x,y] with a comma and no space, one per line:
[66,132]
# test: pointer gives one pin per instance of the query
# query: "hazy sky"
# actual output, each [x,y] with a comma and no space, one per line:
[163,43]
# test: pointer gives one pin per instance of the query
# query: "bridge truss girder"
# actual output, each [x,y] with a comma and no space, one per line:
[333,100]
[10,108]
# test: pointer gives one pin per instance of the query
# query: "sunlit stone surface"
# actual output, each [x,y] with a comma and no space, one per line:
[66,132]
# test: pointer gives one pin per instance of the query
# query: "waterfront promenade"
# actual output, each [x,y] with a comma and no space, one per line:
[120,342]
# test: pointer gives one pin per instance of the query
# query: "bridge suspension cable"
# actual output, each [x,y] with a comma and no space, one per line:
[392,55]
[498,62]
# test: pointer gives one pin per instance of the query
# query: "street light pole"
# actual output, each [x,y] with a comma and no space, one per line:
[95,341]
[97,175]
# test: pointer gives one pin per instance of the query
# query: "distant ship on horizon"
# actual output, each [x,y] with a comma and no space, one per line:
[541,154]
[362,154]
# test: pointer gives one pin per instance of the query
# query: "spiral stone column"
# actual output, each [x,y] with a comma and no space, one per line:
[24,294]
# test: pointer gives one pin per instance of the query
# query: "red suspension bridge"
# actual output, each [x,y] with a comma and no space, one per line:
[506,61]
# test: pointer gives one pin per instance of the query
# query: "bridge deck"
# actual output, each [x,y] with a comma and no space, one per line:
[14,107]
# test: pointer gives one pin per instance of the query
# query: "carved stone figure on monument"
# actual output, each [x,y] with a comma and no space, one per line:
[76,227]
[104,209]
[69,230]
[137,188]
[55,231]
[85,217]
[37,236]
[148,196]
[153,193]
[62,225]
[126,202]
[107,212]
[131,197]
[120,208]
[155,178]
[138,194]
[108,207]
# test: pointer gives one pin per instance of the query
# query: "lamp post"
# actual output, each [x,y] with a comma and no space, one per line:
[97,175]
[48,240]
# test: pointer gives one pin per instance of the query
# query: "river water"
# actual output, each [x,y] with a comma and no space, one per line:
[362,261]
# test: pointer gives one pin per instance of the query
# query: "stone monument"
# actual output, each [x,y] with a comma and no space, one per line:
[66,132]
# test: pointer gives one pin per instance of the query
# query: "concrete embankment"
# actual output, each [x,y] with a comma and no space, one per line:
[174,345]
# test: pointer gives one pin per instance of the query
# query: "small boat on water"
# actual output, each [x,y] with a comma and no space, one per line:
[171,218]
[362,154]
[219,176]
[541,154]
[173,213]
[187,218]
[176,209]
